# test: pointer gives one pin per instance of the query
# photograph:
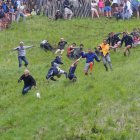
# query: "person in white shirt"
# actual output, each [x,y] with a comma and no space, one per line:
[127,11]
[20,13]
[94,9]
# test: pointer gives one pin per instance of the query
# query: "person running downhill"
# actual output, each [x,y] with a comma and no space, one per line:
[90,56]
[104,49]
[21,53]
[114,41]
[72,69]
[29,81]
[128,40]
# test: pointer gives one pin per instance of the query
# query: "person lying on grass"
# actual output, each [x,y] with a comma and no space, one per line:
[29,81]
[22,53]
[90,56]
[72,69]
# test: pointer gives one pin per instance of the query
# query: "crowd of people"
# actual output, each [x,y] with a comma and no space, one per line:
[12,10]
[121,9]
[101,53]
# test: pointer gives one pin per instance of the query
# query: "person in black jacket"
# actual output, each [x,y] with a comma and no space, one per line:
[58,15]
[61,45]
[114,41]
[29,81]
[128,43]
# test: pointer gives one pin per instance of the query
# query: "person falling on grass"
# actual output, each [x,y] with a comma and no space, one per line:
[22,54]
[72,69]
[90,56]
[104,49]
[29,81]
[55,70]
[128,40]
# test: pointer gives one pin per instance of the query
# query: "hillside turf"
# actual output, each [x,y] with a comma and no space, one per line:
[105,106]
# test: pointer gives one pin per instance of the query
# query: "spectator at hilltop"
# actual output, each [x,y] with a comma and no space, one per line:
[58,15]
[127,11]
[5,7]
[94,9]
[101,7]
[20,13]
[107,8]
[2,14]
[67,10]
[135,4]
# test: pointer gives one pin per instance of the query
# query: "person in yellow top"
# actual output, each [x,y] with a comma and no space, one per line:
[104,49]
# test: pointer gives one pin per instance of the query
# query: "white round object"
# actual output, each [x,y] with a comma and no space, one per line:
[38,95]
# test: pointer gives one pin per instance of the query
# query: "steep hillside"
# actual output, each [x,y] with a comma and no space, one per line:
[106,107]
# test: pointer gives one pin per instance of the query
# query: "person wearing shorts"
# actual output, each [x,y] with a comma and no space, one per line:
[107,8]
[93,9]
[90,56]
[128,40]
[61,45]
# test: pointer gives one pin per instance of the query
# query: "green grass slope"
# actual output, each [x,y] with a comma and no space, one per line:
[106,107]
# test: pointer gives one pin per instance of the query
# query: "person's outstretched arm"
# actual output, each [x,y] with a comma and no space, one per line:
[96,58]
[27,47]
[76,61]
[15,49]
[21,78]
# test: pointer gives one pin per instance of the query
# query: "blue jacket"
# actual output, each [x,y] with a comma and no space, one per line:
[57,60]
[53,71]
[72,70]
[90,57]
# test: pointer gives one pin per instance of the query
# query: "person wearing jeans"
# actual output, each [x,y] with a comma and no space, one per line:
[104,49]
[20,13]
[21,53]
[29,81]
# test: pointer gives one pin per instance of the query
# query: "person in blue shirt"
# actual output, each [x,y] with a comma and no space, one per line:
[90,56]
[57,61]
[128,40]
[72,69]
[5,7]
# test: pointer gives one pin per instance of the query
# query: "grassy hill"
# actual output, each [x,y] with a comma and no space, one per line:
[106,107]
